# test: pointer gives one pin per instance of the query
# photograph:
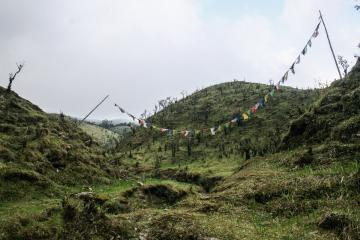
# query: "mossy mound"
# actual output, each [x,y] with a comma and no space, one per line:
[154,195]
[84,218]
[164,193]
[340,224]
[206,182]
[175,227]
[334,117]
[43,149]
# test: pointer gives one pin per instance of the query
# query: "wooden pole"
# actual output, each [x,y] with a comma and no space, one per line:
[94,109]
[331,48]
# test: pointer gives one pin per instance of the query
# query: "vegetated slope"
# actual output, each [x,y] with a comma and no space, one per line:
[39,150]
[219,104]
[308,192]
[334,117]
[106,138]
[310,189]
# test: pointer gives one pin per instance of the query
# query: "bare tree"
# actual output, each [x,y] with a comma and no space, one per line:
[344,64]
[155,109]
[12,76]
[183,93]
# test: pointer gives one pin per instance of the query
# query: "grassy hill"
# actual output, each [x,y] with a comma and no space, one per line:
[291,172]
[304,185]
[219,104]
[106,138]
[40,151]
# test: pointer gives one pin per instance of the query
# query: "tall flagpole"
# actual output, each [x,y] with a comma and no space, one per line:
[331,48]
[94,109]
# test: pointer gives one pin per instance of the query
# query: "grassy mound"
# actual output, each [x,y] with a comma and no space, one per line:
[40,150]
[335,116]
[175,227]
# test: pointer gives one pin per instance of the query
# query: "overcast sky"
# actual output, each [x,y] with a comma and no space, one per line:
[140,51]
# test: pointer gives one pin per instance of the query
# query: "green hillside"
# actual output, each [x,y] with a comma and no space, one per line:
[41,152]
[290,172]
[106,138]
[219,104]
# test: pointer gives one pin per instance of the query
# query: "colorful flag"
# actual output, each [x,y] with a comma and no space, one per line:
[277,86]
[316,32]
[245,116]
[261,102]
[162,130]
[285,77]
[309,43]
[272,93]
[292,68]
[253,109]
[213,131]
[298,60]
[266,98]
[304,51]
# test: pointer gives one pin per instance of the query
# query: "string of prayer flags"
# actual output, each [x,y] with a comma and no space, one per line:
[243,115]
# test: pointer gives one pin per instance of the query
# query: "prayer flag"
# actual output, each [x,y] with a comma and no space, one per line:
[261,102]
[121,110]
[304,51]
[292,68]
[298,60]
[162,130]
[266,98]
[272,93]
[309,43]
[285,77]
[253,109]
[277,86]
[212,130]
[245,116]
[316,32]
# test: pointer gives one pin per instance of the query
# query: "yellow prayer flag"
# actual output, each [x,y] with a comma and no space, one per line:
[266,98]
[245,116]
